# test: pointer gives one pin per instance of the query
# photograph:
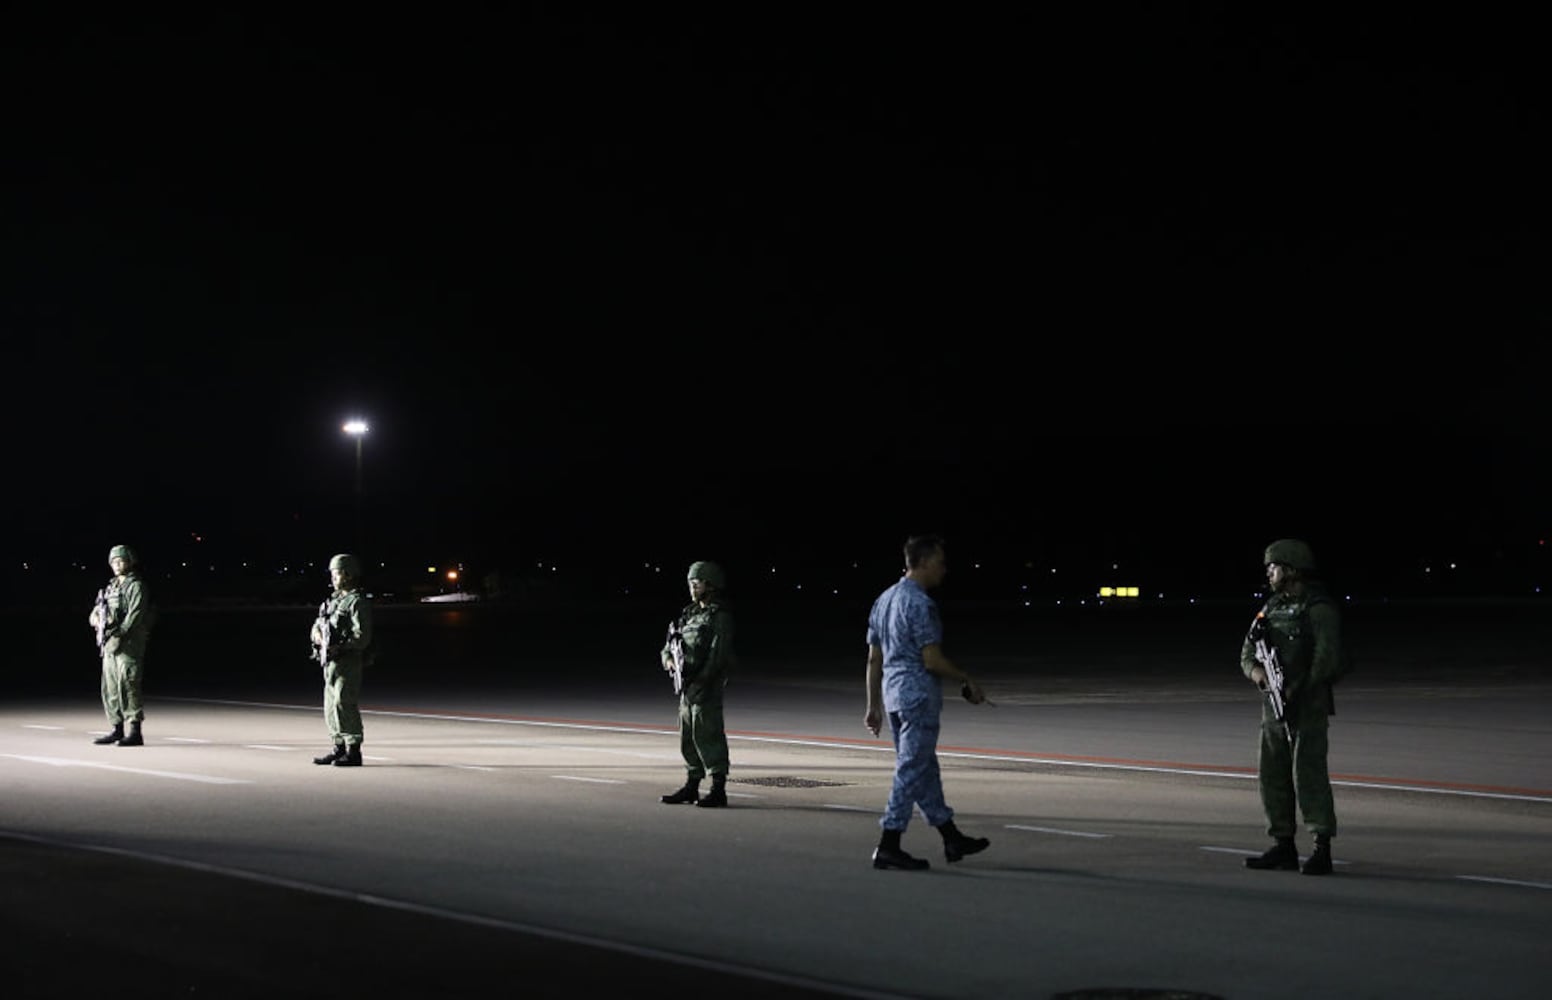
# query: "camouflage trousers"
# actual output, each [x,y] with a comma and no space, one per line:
[918,783]
[121,687]
[341,697]
[702,740]
[1294,775]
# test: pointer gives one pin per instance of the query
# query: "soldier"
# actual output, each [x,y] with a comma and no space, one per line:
[905,675]
[341,637]
[1303,626]
[699,652]
[123,617]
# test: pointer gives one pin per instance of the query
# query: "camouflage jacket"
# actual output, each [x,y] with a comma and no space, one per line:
[349,616]
[1306,631]
[708,650]
[130,613]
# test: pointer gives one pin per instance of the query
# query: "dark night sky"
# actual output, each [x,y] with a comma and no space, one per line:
[779,279]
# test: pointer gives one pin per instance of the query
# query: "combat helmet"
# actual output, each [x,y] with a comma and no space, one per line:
[347,564]
[123,552]
[1290,552]
[709,572]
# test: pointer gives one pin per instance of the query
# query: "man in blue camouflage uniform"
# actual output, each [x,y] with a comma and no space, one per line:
[704,658]
[1303,625]
[125,615]
[905,675]
[345,618]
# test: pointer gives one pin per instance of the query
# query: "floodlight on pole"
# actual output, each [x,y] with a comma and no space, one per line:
[357,429]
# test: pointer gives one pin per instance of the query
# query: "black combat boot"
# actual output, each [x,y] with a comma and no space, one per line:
[350,758]
[956,845]
[889,854]
[1319,861]
[717,797]
[1281,856]
[332,755]
[133,737]
[113,737]
[690,791]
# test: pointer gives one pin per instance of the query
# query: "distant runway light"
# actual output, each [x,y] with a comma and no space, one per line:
[357,427]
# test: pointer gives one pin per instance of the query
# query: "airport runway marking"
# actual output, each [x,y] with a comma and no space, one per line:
[581,748]
[843,808]
[175,775]
[596,781]
[265,746]
[30,725]
[474,919]
[1506,881]
[1425,786]
[184,739]
[1063,833]
[1253,854]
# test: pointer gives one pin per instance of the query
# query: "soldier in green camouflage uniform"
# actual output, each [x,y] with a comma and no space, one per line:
[125,616]
[346,618]
[1303,624]
[706,627]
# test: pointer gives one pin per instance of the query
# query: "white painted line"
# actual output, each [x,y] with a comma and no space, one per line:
[843,745]
[597,781]
[1063,833]
[473,767]
[742,795]
[28,725]
[534,744]
[1464,792]
[265,746]
[367,756]
[176,775]
[657,954]
[1506,881]
[1253,854]
[855,809]
[183,739]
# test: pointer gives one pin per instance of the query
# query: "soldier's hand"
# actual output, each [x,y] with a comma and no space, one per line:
[873,720]
[1259,676]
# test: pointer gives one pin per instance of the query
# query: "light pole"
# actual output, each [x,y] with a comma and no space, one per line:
[357,429]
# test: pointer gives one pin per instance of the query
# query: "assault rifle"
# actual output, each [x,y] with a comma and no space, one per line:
[324,638]
[100,612]
[1266,655]
[676,651]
